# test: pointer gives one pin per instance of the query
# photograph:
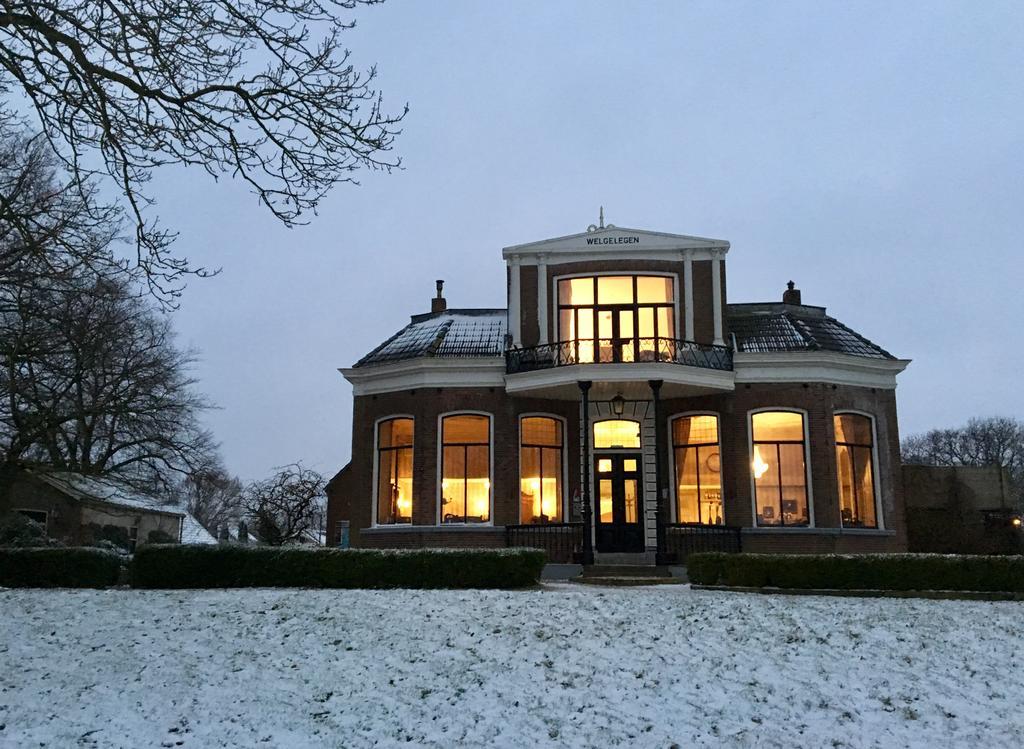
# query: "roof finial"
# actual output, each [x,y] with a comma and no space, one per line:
[601,219]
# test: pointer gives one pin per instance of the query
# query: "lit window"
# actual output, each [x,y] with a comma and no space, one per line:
[698,470]
[616,318]
[855,471]
[465,469]
[616,433]
[540,470]
[394,471]
[779,468]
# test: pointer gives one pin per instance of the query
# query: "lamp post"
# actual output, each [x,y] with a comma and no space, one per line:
[588,515]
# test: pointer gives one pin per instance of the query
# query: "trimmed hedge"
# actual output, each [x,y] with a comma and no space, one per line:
[236,566]
[58,568]
[1003,574]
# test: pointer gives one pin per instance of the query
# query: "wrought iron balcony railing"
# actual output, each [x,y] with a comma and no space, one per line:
[618,351]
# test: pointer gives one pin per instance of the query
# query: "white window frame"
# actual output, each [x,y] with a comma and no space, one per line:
[875,475]
[565,463]
[376,469]
[672,458]
[440,468]
[807,468]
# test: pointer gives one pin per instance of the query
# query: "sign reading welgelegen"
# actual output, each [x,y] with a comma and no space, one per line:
[613,240]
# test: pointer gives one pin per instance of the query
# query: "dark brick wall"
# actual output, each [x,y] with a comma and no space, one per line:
[426,405]
[529,329]
[351,492]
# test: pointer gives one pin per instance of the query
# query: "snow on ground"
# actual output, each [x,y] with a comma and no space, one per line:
[564,666]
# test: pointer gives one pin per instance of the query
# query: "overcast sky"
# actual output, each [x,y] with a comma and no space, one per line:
[870,152]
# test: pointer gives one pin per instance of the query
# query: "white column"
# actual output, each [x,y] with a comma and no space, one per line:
[542,298]
[716,295]
[514,294]
[688,296]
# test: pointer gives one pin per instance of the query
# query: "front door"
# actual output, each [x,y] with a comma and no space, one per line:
[619,502]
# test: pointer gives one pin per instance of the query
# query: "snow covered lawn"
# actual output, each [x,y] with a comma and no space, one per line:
[564,666]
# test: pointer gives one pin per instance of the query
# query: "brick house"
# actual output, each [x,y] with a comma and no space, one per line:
[618,404]
[77,509]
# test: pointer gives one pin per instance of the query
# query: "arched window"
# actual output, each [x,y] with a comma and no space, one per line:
[540,470]
[616,433]
[698,465]
[855,470]
[465,468]
[394,471]
[779,468]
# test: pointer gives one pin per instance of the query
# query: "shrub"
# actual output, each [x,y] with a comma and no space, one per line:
[160,537]
[17,530]
[239,566]
[58,568]
[1003,574]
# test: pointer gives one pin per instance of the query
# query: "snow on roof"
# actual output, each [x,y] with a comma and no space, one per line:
[100,489]
[192,531]
[765,328]
[450,334]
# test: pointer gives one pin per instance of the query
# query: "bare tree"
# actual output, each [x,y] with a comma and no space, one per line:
[286,506]
[52,228]
[212,495]
[995,441]
[262,90]
[93,382]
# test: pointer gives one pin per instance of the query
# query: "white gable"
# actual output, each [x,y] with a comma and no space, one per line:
[618,241]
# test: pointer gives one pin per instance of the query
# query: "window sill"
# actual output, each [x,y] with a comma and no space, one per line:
[780,531]
[452,528]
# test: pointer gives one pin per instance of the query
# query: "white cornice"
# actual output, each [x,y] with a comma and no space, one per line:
[715,379]
[425,372]
[621,242]
[818,366]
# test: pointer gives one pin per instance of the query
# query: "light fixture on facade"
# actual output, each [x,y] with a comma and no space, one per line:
[618,404]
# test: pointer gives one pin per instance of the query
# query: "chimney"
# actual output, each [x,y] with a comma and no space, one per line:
[438,303]
[791,295]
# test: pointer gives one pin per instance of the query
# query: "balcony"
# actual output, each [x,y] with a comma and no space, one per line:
[618,351]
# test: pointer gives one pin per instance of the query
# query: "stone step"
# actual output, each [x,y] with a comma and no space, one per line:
[626,571]
[646,558]
[627,581]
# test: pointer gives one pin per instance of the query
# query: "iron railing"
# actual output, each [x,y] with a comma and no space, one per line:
[683,539]
[560,540]
[618,351]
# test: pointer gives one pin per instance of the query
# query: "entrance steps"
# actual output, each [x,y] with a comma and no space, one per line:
[624,573]
[640,559]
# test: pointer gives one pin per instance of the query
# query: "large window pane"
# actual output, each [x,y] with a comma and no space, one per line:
[698,469]
[465,469]
[666,323]
[654,289]
[394,471]
[619,433]
[614,289]
[778,426]
[780,473]
[540,465]
[576,291]
[855,471]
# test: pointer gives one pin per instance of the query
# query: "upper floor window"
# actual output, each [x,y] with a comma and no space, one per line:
[616,318]
[540,470]
[698,465]
[779,467]
[616,433]
[465,468]
[855,470]
[394,471]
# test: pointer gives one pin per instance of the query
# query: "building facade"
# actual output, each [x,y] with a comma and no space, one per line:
[618,403]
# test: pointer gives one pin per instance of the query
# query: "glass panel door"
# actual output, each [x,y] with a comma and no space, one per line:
[619,503]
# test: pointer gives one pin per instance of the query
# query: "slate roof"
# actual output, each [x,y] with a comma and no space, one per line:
[765,328]
[456,333]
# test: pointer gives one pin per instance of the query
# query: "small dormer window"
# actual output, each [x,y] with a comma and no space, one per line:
[617,318]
